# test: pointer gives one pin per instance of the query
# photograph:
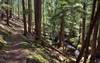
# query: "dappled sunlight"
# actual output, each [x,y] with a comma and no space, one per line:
[49,31]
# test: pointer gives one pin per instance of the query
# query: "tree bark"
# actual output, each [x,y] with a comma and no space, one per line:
[96,18]
[2,14]
[61,33]
[10,9]
[93,47]
[24,17]
[83,26]
[87,40]
[37,7]
[18,9]
[7,13]
[29,16]
[98,46]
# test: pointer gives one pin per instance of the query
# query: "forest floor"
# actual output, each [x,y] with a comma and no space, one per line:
[12,36]
[16,52]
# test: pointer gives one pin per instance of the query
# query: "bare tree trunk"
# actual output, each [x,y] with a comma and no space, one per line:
[37,7]
[7,13]
[79,38]
[18,9]
[98,46]
[93,51]
[83,25]
[11,9]
[24,18]
[29,16]
[96,18]
[61,33]
[87,40]
[2,14]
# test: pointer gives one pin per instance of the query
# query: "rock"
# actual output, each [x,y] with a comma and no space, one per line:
[77,53]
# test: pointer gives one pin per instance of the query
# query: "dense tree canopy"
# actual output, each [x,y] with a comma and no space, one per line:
[53,31]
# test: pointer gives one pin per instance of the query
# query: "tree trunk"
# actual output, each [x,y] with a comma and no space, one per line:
[2,14]
[87,40]
[29,16]
[7,13]
[96,18]
[18,9]
[61,33]
[24,18]
[11,9]
[79,37]
[93,51]
[83,25]
[37,7]
[98,46]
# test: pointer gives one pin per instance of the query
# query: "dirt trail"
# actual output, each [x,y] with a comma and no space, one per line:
[15,54]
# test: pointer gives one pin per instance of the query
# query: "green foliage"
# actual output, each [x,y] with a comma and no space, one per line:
[73,10]
[24,45]
[26,11]
[5,7]
[3,43]
[55,11]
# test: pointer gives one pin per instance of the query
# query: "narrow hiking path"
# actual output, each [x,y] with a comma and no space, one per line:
[13,35]
[15,54]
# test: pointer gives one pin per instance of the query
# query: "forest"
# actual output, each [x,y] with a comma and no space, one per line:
[49,31]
